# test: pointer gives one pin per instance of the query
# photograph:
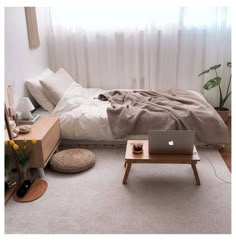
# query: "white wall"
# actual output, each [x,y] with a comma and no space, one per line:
[20,61]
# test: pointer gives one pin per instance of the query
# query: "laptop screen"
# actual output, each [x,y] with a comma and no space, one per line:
[171,141]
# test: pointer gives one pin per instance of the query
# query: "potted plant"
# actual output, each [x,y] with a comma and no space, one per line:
[214,82]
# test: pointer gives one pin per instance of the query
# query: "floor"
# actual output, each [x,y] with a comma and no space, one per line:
[226,152]
[90,202]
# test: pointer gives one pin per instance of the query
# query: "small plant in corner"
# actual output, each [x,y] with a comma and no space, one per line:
[216,81]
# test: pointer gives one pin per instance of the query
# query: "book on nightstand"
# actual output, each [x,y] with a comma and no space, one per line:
[28,122]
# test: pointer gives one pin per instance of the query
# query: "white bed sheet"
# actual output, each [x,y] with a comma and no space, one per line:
[82,117]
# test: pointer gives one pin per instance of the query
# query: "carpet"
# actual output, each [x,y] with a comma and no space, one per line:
[158,199]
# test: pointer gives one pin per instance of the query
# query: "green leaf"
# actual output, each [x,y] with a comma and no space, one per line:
[212,83]
[215,67]
[204,72]
[229,64]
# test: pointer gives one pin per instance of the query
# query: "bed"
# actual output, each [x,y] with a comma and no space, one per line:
[93,115]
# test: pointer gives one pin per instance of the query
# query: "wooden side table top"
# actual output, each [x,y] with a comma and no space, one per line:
[39,129]
[145,157]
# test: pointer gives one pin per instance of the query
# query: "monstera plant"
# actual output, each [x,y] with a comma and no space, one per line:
[216,82]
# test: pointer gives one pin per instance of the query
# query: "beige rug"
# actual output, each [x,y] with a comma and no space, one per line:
[158,199]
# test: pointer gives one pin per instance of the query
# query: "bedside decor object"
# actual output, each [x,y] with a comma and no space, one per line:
[13,128]
[35,191]
[137,148]
[23,129]
[72,160]
[25,107]
[23,188]
[30,121]
[22,153]
[10,98]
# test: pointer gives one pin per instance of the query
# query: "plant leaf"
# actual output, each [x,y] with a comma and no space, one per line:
[212,83]
[215,67]
[204,72]
[229,64]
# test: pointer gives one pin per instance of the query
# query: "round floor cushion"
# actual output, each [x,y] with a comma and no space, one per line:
[72,160]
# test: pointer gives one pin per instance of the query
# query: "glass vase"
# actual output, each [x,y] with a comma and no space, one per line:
[24,173]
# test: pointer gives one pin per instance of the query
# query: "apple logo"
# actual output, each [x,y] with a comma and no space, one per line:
[171,143]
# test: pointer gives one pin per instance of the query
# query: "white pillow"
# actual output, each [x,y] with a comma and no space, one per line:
[37,92]
[56,85]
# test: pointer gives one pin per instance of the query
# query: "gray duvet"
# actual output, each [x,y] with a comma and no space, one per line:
[139,111]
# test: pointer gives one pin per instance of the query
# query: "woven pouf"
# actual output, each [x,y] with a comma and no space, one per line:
[72,160]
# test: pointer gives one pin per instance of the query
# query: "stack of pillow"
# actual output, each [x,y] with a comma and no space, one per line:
[48,87]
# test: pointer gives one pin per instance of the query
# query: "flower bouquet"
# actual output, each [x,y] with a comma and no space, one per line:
[22,154]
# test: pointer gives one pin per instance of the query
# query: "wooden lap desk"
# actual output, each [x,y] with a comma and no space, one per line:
[145,157]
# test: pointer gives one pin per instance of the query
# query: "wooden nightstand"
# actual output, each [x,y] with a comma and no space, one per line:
[47,131]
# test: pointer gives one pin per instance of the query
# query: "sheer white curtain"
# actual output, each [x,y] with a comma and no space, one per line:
[150,47]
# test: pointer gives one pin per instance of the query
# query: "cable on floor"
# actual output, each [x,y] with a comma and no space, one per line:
[215,170]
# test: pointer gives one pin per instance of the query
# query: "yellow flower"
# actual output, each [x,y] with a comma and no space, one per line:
[15,147]
[34,141]
[22,150]
[11,142]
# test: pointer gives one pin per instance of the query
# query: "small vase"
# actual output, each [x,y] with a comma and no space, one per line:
[24,173]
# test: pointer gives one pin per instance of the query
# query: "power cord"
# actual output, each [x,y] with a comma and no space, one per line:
[215,170]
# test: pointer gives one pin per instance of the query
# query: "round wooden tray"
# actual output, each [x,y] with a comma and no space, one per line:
[37,189]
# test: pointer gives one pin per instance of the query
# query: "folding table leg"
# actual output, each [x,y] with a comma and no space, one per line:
[196,174]
[128,166]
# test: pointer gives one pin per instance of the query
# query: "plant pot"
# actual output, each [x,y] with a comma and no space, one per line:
[223,112]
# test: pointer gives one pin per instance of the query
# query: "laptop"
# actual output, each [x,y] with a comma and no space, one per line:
[171,142]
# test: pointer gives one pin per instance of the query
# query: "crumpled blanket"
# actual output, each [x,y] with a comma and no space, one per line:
[139,111]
